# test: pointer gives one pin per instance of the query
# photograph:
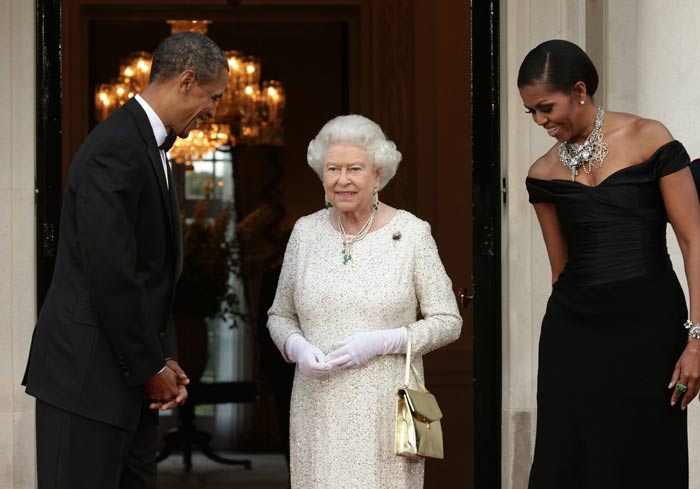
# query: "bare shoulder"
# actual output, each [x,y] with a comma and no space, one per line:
[631,130]
[544,166]
[653,133]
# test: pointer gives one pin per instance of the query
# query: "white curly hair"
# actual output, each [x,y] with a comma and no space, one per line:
[355,129]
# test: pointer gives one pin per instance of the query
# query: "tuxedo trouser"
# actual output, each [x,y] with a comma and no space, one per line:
[74,452]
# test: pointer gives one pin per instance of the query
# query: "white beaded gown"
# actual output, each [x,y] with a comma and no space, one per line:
[342,427]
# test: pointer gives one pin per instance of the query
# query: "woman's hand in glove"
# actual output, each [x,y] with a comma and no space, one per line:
[360,348]
[308,357]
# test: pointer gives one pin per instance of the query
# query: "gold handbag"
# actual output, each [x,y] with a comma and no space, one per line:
[418,429]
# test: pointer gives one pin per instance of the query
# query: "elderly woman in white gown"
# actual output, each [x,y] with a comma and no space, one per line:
[358,278]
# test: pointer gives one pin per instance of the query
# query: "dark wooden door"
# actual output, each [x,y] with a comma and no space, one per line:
[443,162]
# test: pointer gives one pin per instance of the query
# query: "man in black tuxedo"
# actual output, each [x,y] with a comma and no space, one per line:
[103,355]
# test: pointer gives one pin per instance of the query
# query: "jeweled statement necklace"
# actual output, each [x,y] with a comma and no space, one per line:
[591,152]
[350,239]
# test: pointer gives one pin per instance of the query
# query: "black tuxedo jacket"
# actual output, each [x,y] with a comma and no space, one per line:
[106,326]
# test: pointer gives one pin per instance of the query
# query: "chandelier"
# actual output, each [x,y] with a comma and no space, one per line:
[250,112]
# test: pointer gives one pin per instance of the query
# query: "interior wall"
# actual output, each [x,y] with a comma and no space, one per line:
[17,241]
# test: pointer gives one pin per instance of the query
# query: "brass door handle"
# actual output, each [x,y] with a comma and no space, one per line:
[466,296]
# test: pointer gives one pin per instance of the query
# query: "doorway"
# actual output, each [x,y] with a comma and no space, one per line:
[403,63]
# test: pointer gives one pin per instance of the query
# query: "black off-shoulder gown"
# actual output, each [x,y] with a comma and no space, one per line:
[611,335]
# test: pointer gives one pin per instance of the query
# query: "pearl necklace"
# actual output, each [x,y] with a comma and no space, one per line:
[575,156]
[350,239]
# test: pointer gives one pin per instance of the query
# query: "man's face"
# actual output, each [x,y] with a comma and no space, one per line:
[198,102]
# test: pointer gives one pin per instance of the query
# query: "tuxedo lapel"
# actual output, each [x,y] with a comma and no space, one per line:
[157,164]
[154,156]
[175,223]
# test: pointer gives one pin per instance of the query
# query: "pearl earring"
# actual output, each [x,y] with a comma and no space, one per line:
[582,102]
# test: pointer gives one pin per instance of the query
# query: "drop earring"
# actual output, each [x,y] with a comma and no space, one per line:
[375,205]
[327,203]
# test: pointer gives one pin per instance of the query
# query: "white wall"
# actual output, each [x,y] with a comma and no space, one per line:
[647,53]
[664,46]
[17,242]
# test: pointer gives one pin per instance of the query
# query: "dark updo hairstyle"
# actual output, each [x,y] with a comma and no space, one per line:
[560,65]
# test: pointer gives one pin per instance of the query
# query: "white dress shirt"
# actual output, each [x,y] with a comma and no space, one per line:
[158,131]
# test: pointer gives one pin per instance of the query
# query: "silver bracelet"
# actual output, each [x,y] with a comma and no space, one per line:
[693,330]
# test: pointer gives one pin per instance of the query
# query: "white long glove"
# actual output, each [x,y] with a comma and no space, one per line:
[360,348]
[308,357]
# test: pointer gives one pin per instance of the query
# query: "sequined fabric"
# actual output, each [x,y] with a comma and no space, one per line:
[342,427]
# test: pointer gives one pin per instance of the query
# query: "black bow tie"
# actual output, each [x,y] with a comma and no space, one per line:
[169,141]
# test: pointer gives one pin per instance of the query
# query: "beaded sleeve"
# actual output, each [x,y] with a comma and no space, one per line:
[282,318]
[441,322]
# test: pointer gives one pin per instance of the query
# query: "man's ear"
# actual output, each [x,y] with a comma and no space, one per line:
[186,80]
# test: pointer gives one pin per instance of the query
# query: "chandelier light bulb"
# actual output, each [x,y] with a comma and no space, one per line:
[250,112]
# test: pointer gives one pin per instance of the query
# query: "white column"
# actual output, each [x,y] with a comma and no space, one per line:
[17,240]
[654,68]
[526,275]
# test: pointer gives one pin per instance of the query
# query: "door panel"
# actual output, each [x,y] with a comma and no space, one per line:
[443,136]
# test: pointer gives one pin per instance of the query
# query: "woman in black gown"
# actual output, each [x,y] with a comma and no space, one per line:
[615,358]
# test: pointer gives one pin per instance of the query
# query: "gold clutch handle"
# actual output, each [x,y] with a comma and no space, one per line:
[410,366]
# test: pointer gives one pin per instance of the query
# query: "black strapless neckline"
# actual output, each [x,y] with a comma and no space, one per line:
[613,174]
[615,230]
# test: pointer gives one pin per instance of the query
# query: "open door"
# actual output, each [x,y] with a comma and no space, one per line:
[404,63]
